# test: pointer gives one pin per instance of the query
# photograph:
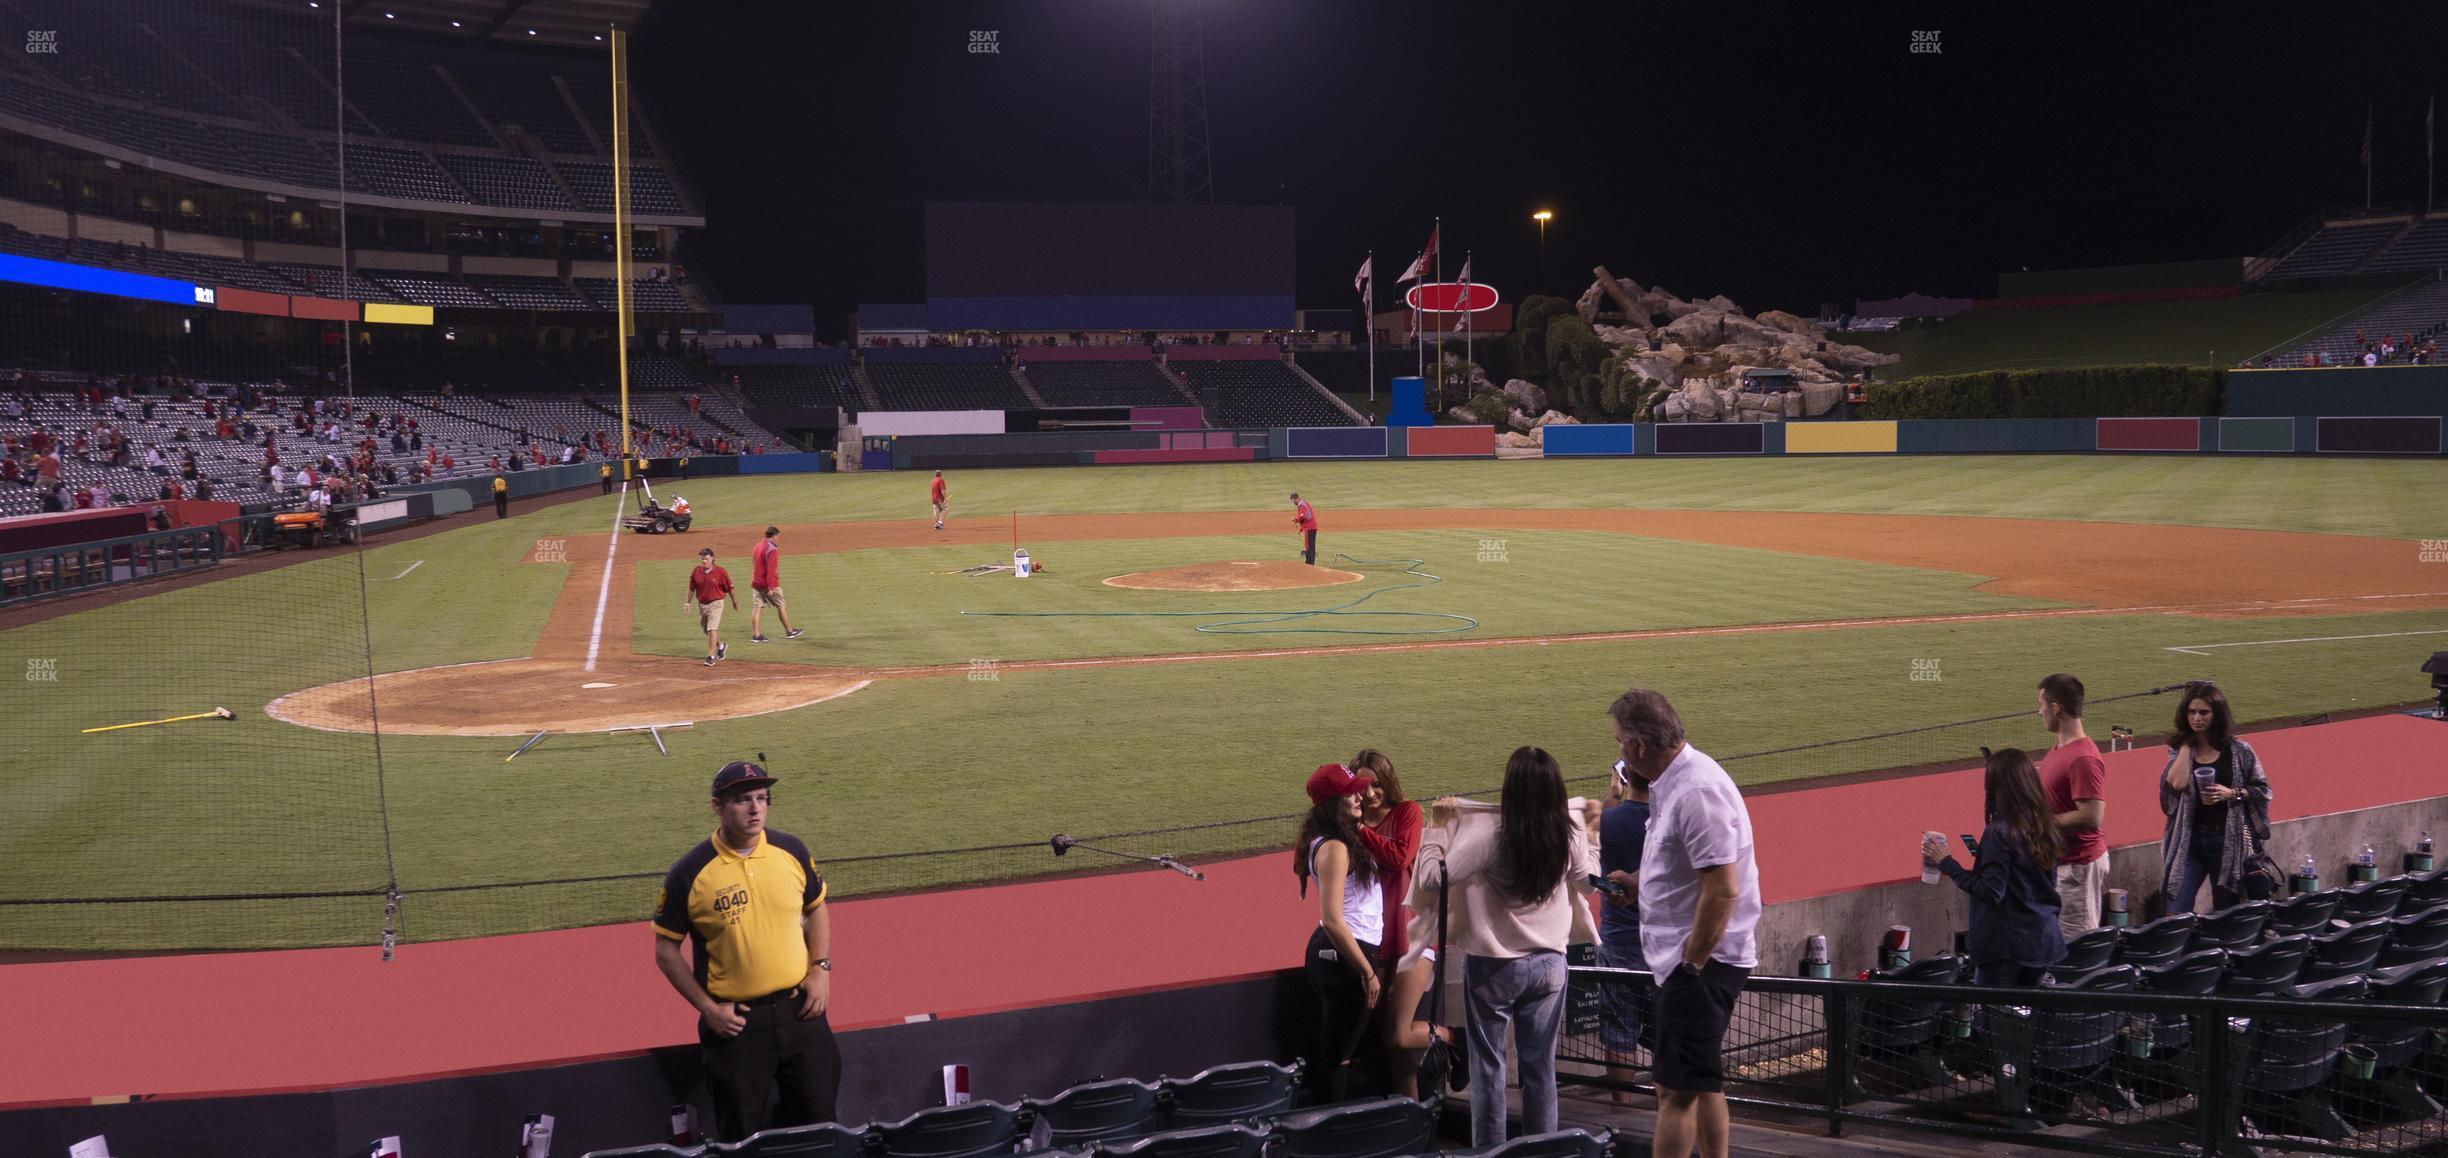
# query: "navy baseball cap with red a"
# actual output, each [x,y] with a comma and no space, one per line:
[739,776]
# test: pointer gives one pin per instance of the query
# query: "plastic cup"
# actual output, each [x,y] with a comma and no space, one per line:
[2203,778]
[1929,868]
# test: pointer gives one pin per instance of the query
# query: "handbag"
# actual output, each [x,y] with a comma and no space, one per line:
[1440,1065]
[2262,877]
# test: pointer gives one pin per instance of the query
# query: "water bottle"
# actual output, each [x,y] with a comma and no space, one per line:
[2420,860]
[2366,866]
[2307,876]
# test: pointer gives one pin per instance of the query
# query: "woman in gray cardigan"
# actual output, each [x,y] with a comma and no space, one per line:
[2216,798]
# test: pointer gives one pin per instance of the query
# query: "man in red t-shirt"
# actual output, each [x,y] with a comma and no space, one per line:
[1304,517]
[2076,781]
[935,496]
[765,587]
[709,586]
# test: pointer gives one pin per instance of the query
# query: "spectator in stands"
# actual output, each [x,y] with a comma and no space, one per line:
[2012,881]
[153,458]
[1341,956]
[47,469]
[1390,831]
[1699,913]
[2371,357]
[763,976]
[2076,781]
[1623,831]
[52,501]
[2216,796]
[1515,897]
[9,471]
[203,490]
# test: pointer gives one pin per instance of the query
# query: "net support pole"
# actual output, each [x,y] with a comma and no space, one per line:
[626,321]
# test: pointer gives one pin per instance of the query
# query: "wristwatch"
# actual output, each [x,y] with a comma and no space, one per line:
[1687,969]
[825,963]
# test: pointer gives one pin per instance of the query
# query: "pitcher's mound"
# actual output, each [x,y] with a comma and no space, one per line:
[1274,576]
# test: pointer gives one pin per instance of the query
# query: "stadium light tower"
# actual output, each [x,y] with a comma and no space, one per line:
[1178,168]
[1542,217]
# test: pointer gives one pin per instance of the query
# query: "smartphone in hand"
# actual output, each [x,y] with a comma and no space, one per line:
[1610,888]
[1971,845]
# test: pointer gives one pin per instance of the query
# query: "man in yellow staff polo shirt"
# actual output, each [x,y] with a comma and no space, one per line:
[751,904]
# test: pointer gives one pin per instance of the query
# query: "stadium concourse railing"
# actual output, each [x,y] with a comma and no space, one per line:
[2093,1065]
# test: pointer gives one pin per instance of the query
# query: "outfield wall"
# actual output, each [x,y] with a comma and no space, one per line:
[2342,391]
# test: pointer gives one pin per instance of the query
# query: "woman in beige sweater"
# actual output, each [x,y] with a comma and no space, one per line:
[1514,899]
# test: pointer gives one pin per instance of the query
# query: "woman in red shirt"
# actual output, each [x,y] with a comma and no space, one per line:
[1390,832]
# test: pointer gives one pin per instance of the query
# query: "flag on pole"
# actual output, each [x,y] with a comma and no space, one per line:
[2367,136]
[2429,115]
[1464,279]
[1360,283]
[1419,268]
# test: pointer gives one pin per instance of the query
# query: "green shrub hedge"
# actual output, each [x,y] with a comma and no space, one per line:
[2074,392]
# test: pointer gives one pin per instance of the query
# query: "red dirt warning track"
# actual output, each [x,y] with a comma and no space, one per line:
[2097,568]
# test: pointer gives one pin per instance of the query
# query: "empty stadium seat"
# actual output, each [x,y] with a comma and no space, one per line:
[2233,927]
[2376,901]
[2087,951]
[1230,1093]
[2425,891]
[2307,913]
[1383,1128]
[2343,953]
[658,1150]
[1230,1140]
[2396,1044]
[2291,1059]
[2270,963]
[2193,975]
[969,1130]
[824,1140]
[2156,943]
[2418,937]
[1560,1144]
[1097,1111]
[1898,1037]
[2043,1057]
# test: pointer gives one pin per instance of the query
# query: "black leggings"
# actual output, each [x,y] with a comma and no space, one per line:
[1343,1015]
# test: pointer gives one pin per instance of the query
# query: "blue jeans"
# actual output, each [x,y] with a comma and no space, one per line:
[1526,994]
[2201,864]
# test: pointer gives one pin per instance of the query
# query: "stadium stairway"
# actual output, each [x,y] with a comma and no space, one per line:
[1357,418]
[1179,386]
[1020,378]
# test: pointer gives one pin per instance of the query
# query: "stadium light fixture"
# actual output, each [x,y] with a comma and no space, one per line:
[531,32]
[454,24]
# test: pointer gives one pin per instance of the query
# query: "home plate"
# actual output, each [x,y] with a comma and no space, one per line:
[599,685]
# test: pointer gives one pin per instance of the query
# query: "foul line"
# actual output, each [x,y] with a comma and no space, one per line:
[603,591]
[404,571]
[2204,648]
[1654,633]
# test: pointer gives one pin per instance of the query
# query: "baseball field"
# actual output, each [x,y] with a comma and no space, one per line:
[1460,609]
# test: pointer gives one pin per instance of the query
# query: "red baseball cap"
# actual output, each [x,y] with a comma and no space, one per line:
[1333,780]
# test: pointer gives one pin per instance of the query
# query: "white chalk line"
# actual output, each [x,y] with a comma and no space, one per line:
[603,591]
[2205,648]
[404,571]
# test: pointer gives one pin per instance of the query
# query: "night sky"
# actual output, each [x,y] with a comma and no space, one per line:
[1781,154]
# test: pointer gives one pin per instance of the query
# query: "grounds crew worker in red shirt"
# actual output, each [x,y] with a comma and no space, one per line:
[935,495]
[1305,518]
[765,587]
[709,585]
[751,904]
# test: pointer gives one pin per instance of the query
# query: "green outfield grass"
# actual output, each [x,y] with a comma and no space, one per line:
[256,805]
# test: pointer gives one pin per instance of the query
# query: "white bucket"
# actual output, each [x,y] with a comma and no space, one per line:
[1020,564]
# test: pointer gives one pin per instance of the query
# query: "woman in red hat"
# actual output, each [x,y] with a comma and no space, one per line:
[1341,958]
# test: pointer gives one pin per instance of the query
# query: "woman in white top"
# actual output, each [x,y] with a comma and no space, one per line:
[1516,895]
[1341,957]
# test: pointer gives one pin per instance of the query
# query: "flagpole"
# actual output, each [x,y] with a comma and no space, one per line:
[1467,333]
[1439,234]
[2430,158]
[1368,324]
[2367,154]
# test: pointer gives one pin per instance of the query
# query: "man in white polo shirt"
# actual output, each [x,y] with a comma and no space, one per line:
[1699,906]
